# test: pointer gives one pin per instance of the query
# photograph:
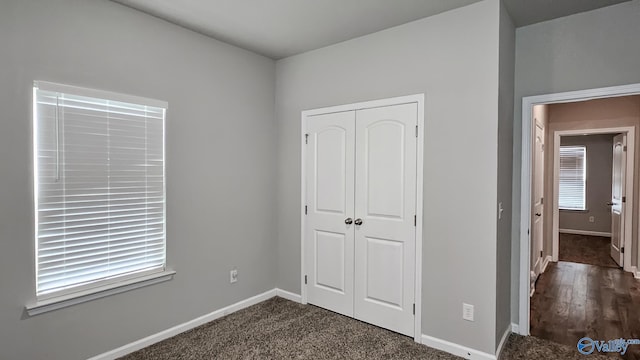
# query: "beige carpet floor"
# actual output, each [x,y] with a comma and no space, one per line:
[282,329]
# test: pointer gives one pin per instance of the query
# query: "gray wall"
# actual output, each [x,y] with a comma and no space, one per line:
[588,50]
[220,162]
[453,59]
[505,172]
[599,150]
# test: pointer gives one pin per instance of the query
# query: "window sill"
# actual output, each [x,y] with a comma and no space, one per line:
[575,210]
[43,306]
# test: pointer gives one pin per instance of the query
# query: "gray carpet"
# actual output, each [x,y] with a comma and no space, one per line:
[281,329]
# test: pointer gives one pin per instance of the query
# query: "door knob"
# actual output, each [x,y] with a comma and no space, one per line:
[358,221]
[538,214]
[348,221]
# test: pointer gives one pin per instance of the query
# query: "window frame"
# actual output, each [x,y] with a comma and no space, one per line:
[81,292]
[584,179]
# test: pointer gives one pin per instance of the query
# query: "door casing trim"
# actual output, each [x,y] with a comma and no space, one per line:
[630,131]
[419,99]
[525,178]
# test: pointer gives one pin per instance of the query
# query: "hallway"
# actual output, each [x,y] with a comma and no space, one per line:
[575,300]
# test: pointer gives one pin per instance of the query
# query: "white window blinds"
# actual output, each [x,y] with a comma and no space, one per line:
[99,187]
[573,172]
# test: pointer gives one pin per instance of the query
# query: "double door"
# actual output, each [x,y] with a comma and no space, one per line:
[360,234]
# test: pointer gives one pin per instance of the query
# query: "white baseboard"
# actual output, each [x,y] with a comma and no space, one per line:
[546,262]
[178,329]
[584,232]
[505,336]
[635,272]
[288,295]
[435,343]
[515,328]
[455,349]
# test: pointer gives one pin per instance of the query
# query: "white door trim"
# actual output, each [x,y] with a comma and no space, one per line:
[630,131]
[419,99]
[525,178]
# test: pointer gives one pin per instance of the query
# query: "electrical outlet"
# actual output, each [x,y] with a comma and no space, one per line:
[233,276]
[467,312]
[592,219]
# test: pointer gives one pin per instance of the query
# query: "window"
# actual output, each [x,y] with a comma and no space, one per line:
[573,171]
[99,188]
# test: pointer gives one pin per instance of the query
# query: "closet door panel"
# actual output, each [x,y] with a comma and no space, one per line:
[385,202]
[329,240]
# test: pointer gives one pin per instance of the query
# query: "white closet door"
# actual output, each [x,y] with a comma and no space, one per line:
[385,202]
[330,185]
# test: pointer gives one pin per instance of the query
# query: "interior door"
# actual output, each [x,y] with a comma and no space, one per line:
[537,210]
[385,207]
[329,230]
[617,197]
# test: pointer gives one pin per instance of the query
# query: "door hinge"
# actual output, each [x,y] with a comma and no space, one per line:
[622,250]
[415,220]
[305,279]
[541,200]
[527,231]
[414,309]
[305,209]
[540,253]
[624,148]
[416,130]
[306,138]
[624,199]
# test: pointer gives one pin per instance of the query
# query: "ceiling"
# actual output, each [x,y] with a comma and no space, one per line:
[527,12]
[281,28]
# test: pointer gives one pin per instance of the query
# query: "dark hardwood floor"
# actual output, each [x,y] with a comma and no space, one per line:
[574,300]
[584,249]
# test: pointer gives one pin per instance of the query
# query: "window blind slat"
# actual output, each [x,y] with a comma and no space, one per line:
[151,237]
[148,212]
[99,188]
[140,221]
[50,254]
[90,257]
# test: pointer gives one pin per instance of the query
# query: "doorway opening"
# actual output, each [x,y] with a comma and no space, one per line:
[590,206]
[585,299]
[593,193]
